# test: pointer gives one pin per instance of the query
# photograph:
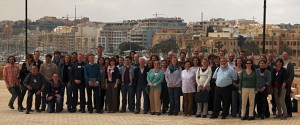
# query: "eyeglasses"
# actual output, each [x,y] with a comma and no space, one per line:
[248,63]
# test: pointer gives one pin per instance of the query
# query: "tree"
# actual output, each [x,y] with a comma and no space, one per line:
[209,29]
[249,47]
[284,48]
[165,46]
[241,40]
[130,46]
[219,45]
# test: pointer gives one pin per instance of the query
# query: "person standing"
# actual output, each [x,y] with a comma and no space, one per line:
[236,96]
[36,57]
[140,77]
[25,70]
[78,83]
[10,74]
[54,98]
[188,88]
[248,84]
[203,76]
[92,81]
[279,79]
[111,84]
[224,76]
[173,78]
[47,69]
[291,74]
[35,83]
[154,79]
[164,88]
[263,76]
[103,96]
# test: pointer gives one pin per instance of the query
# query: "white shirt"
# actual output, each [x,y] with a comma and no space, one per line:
[203,78]
[188,81]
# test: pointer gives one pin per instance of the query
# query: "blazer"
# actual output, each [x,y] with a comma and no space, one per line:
[290,77]
[137,72]
[280,77]
[131,74]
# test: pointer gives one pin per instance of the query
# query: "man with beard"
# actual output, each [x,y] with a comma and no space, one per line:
[231,62]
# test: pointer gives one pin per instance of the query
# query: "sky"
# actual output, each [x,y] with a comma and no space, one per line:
[278,11]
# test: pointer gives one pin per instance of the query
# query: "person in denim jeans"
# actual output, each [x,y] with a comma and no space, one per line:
[236,96]
[54,98]
[173,78]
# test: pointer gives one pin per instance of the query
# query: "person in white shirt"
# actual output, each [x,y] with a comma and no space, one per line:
[231,57]
[203,76]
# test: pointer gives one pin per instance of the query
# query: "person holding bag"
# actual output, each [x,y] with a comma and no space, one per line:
[203,76]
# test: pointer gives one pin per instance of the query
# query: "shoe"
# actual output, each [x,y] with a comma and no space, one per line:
[243,118]
[158,113]
[131,110]
[175,113]
[27,112]
[277,117]
[283,118]
[184,114]
[289,115]
[43,109]
[11,106]
[204,116]
[20,109]
[197,116]
[122,111]
[170,113]
[82,110]
[37,110]
[251,118]
[145,112]
[23,108]
[90,111]
[213,117]
[137,112]
[262,117]
[223,117]
[233,116]
[164,111]
[152,113]
[274,113]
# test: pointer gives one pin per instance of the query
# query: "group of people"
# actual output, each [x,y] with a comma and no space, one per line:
[213,83]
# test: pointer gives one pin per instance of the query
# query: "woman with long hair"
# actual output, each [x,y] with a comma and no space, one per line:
[164,91]
[65,72]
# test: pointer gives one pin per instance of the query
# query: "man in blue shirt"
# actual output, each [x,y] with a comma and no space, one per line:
[92,80]
[224,76]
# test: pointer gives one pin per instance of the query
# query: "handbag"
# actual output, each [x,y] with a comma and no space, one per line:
[202,96]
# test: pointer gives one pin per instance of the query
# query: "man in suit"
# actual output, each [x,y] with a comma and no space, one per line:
[127,85]
[291,74]
[140,77]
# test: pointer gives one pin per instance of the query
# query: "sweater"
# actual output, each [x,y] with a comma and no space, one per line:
[248,81]
[156,78]
[91,73]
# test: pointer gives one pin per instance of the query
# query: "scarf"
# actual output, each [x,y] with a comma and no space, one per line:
[172,69]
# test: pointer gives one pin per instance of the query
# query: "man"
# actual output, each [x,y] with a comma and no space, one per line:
[272,66]
[196,52]
[182,59]
[224,76]
[74,57]
[231,62]
[55,95]
[140,77]
[36,59]
[99,51]
[78,83]
[92,81]
[34,82]
[170,56]
[127,85]
[135,61]
[291,74]
[120,65]
[222,53]
[86,58]
[201,56]
[57,60]
[47,69]
[10,74]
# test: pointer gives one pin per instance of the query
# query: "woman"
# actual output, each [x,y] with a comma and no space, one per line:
[188,88]
[173,78]
[111,83]
[236,97]
[101,62]
[65,76]
[154,79]
[263,80]
[106,62]
[203,76]
[279,84]
[150,64]
[25,70]
[196,64]
[217,61]
[247,88]
[164,91]
[213,67]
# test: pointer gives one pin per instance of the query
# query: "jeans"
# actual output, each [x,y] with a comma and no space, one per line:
[288,103]
[22,94]
[127,90]
[95,91]
[55,103]
[174,95]
[261,102]
[81,88]
[44,95]
[139,91]
[37,100]
[164,97]
[235,103]
[15,92]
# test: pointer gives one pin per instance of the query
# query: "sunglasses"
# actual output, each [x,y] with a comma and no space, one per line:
[248,63]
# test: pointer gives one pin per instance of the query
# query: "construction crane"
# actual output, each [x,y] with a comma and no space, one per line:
[157,14]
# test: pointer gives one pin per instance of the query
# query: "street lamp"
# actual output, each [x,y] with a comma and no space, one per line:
[264,28]
[26,27]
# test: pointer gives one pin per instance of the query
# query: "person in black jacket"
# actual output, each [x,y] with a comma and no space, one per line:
[140,77]
[25,70]
[279,78]
[78,83]
[111,84]
[65,73]
[54,98]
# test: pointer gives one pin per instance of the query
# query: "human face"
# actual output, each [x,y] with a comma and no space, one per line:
[239,62]
[204,63]
[262,58]
[11,60]
[112,63]
[223,63]
[187,65]
[29,59]
[231,57]
[221,54]
[36,55]
[74,58]
[156,64]
[92,59]
[34,69]
[67,59]
[121,60]
[174,61]
[127,61]
[55,78]
[150,64]
[196,52]
[279,64]
[242,55]
[80,58]
[262,64]
[164,64]
[248,64]
[56,56]
[285,56]
[271,57]
[182,57]
[195,62]
[48,60]
[106,62]
[153,58]
[101,61]
[141,62]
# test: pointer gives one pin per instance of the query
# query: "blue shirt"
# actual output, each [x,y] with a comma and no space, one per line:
[226,77]
[92,73]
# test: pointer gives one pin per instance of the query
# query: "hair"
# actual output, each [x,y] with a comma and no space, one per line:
[188,62]
[121,57]
[211,56]
[127,57]
[262,61]
[7,60]
[30,56]
[99,46]
[49,55]
[176,65]
[280,60]
[112,59]
[99,60]
[252,65]
[36,52]
[182,53]
[69,62]
[242,51]
[57,53]
[74,53]
[205,59]
[238,59]
[154,56]
[222,51]
[142,58]
[91,55]
[148,62]
[264,56]
[192,60]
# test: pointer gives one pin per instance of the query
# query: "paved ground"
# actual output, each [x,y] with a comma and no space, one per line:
[13,117]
